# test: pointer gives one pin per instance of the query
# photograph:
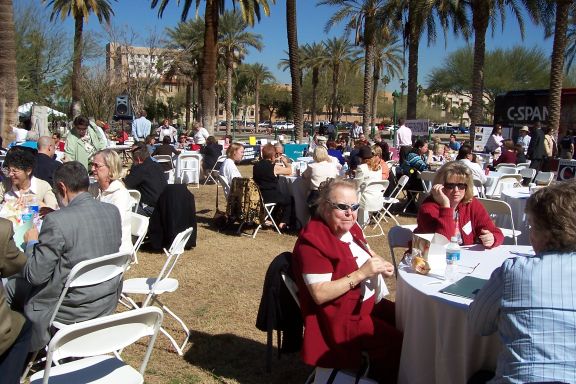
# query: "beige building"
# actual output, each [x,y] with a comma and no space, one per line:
[146,64]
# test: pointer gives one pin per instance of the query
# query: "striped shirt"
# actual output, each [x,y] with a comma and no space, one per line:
[531,302]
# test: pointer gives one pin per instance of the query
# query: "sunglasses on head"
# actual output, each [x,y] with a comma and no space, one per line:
[345,207]
[451,186]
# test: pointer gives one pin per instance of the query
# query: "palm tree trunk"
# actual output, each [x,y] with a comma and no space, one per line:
[257,105]
[413,46]
[375,80]
[368,73]
[291,26]
[335,78]
[209,58]
[557,64]
[480,18]
[229,68]
[315,81]
[75,108]
[8,79]
[187,105]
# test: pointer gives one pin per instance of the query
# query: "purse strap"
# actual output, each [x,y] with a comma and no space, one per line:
[335,372]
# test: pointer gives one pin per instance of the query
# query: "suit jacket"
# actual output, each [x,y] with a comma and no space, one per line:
[12,260]
[536,150]
[44,167]
[83,230]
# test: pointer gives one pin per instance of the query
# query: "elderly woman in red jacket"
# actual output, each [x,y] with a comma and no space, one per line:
[452,210]
[341,289]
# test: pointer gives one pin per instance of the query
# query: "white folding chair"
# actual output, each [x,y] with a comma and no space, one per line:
[391,200]
[268,208]
[224,183]
[544,178]
[505,182]
[215,168]
[528,175]
[499,208]
[427,178]
[507,165]
[154,287]
[479,187]
[136,196]
[522,165]
[506,170]
[92,341]
[189,164]
[139,228]
[162,159]
[398,237]
[413,194]
[372,201]
[87,273]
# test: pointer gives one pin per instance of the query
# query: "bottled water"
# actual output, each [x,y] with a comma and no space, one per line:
[452,258]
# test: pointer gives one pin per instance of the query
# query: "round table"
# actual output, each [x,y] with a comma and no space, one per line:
[516,198]
[438,345]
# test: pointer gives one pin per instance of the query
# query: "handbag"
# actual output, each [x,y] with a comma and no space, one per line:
[337,376]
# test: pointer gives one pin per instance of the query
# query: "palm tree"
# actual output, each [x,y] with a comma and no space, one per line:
[250,10]
[362,18]
[8,81]
[339,51]
[562,9]
[571,41]
[484,13]
[387,63]
[80,10]
[258,74]
[314,58]
[185,42]
[233,41]
[295,74]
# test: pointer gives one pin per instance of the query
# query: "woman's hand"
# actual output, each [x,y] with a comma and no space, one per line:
[374,266]
[487,238]
[439,196]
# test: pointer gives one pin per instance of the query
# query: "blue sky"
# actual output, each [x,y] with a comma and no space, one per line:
[311,22]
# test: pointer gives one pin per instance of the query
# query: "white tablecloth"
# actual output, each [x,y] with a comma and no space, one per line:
[297,188]
[186,160]
[491,181]
[516,198]
[438,345]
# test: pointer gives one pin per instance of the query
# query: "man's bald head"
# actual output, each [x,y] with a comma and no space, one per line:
[46,146]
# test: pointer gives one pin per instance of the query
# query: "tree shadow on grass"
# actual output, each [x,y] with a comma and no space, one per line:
[228,356]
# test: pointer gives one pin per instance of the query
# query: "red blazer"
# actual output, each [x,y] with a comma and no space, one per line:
[506,157]
[333,331]
[434,219]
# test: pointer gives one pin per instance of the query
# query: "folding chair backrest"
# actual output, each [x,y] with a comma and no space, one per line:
[479,187]
[399,186]
[188,165]
[398,237]
[528,174]
[92,272]
[165,159]
[292,287]
[505,181]
[180,241]
[509,165]
[522,165]
[427,178]
[498,208]
[507,170]
[135,195]
[139,228]
[173,255]
[218,163]
[105,335]
[544,178]
[372,194]
[224,183]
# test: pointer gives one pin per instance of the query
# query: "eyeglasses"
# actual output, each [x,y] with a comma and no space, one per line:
[98,166]
[345,207]
[14,171]
[460,186]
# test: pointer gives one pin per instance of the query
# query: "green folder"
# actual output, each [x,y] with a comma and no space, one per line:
[467,286]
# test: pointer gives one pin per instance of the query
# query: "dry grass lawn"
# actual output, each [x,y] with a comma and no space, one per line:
[220,288]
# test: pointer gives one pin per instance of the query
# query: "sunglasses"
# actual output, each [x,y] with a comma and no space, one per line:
[451,186]
[345,207]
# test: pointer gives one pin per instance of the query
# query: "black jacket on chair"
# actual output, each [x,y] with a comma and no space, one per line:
[175,211]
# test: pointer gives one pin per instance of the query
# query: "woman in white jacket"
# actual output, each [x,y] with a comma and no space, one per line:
[109,188]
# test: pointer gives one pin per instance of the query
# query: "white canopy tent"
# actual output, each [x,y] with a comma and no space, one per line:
[26,109]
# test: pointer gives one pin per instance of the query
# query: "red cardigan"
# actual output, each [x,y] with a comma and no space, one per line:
[506,157]
[333,332]
[434,219]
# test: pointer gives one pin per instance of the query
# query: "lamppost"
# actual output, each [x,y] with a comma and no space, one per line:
[234,105]
[394,98]
[402,88]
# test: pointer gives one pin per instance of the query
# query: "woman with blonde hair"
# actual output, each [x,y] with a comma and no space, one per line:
[367,172]
[452,210]
[317,172]
[228,169]
[377,150]
[109,188]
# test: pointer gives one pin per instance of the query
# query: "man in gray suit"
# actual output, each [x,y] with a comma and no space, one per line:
[82,229]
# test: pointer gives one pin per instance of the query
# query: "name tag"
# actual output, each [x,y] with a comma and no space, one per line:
[467,228]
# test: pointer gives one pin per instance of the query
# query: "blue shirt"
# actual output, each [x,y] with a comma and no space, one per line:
[531,303]
[141,128]
[454,145]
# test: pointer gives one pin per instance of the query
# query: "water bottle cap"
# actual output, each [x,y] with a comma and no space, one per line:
[454,239]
